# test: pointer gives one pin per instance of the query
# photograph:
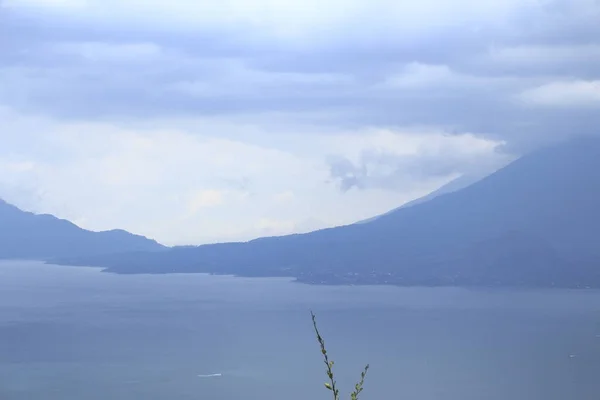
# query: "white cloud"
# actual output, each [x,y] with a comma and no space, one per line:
[271,227]
[206,198]
[388,159]
[417,75]
[103,52]
[64,4]
[182,187]
[16,167]
[544,55]
[427,77]
[410,142]
[234,78]
[291,19]
[284,197]
[564,94]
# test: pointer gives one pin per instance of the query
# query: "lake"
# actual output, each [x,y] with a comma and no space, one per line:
[77,333]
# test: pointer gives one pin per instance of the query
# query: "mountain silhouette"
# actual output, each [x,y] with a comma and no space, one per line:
[452,186]
[24,235]
[535,222]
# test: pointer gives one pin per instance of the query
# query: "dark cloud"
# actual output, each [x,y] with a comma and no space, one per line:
[345,76]
[386,170]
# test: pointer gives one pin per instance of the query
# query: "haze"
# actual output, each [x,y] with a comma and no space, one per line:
[195,122]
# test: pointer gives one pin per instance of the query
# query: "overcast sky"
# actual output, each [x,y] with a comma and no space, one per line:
[201,121]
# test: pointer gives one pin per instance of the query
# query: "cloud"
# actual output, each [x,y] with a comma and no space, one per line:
[107,102]
[566,94]
[184,187]
[284,197]
[105,52]
[404,158]
[65,4]
[271,227]
[544,59]
[353,64]
[206,198]
[289,19]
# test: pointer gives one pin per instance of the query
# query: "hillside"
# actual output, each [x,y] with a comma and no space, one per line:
[25,235]
[452,186]
[535,222]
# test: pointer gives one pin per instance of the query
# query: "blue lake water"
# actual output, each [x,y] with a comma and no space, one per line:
[77,333]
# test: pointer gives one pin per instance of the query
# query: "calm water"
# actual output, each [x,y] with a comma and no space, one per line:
[76,333]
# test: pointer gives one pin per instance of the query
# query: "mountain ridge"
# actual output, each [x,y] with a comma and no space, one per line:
[456,184]
[27,235]
[533,223]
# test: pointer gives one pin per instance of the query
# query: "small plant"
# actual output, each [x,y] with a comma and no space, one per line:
[331,385]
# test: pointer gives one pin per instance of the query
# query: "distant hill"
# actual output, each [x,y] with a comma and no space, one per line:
[535,222]
[24,235]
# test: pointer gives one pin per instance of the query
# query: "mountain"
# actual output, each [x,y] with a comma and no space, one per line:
[25,235]
[452,186]
[535,222]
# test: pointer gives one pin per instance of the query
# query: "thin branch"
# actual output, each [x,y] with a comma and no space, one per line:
[358,388]
[331,385]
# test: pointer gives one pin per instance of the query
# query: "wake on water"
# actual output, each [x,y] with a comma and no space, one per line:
[210,376]
[234,373]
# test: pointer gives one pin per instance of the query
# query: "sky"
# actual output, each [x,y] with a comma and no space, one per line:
[201,121]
